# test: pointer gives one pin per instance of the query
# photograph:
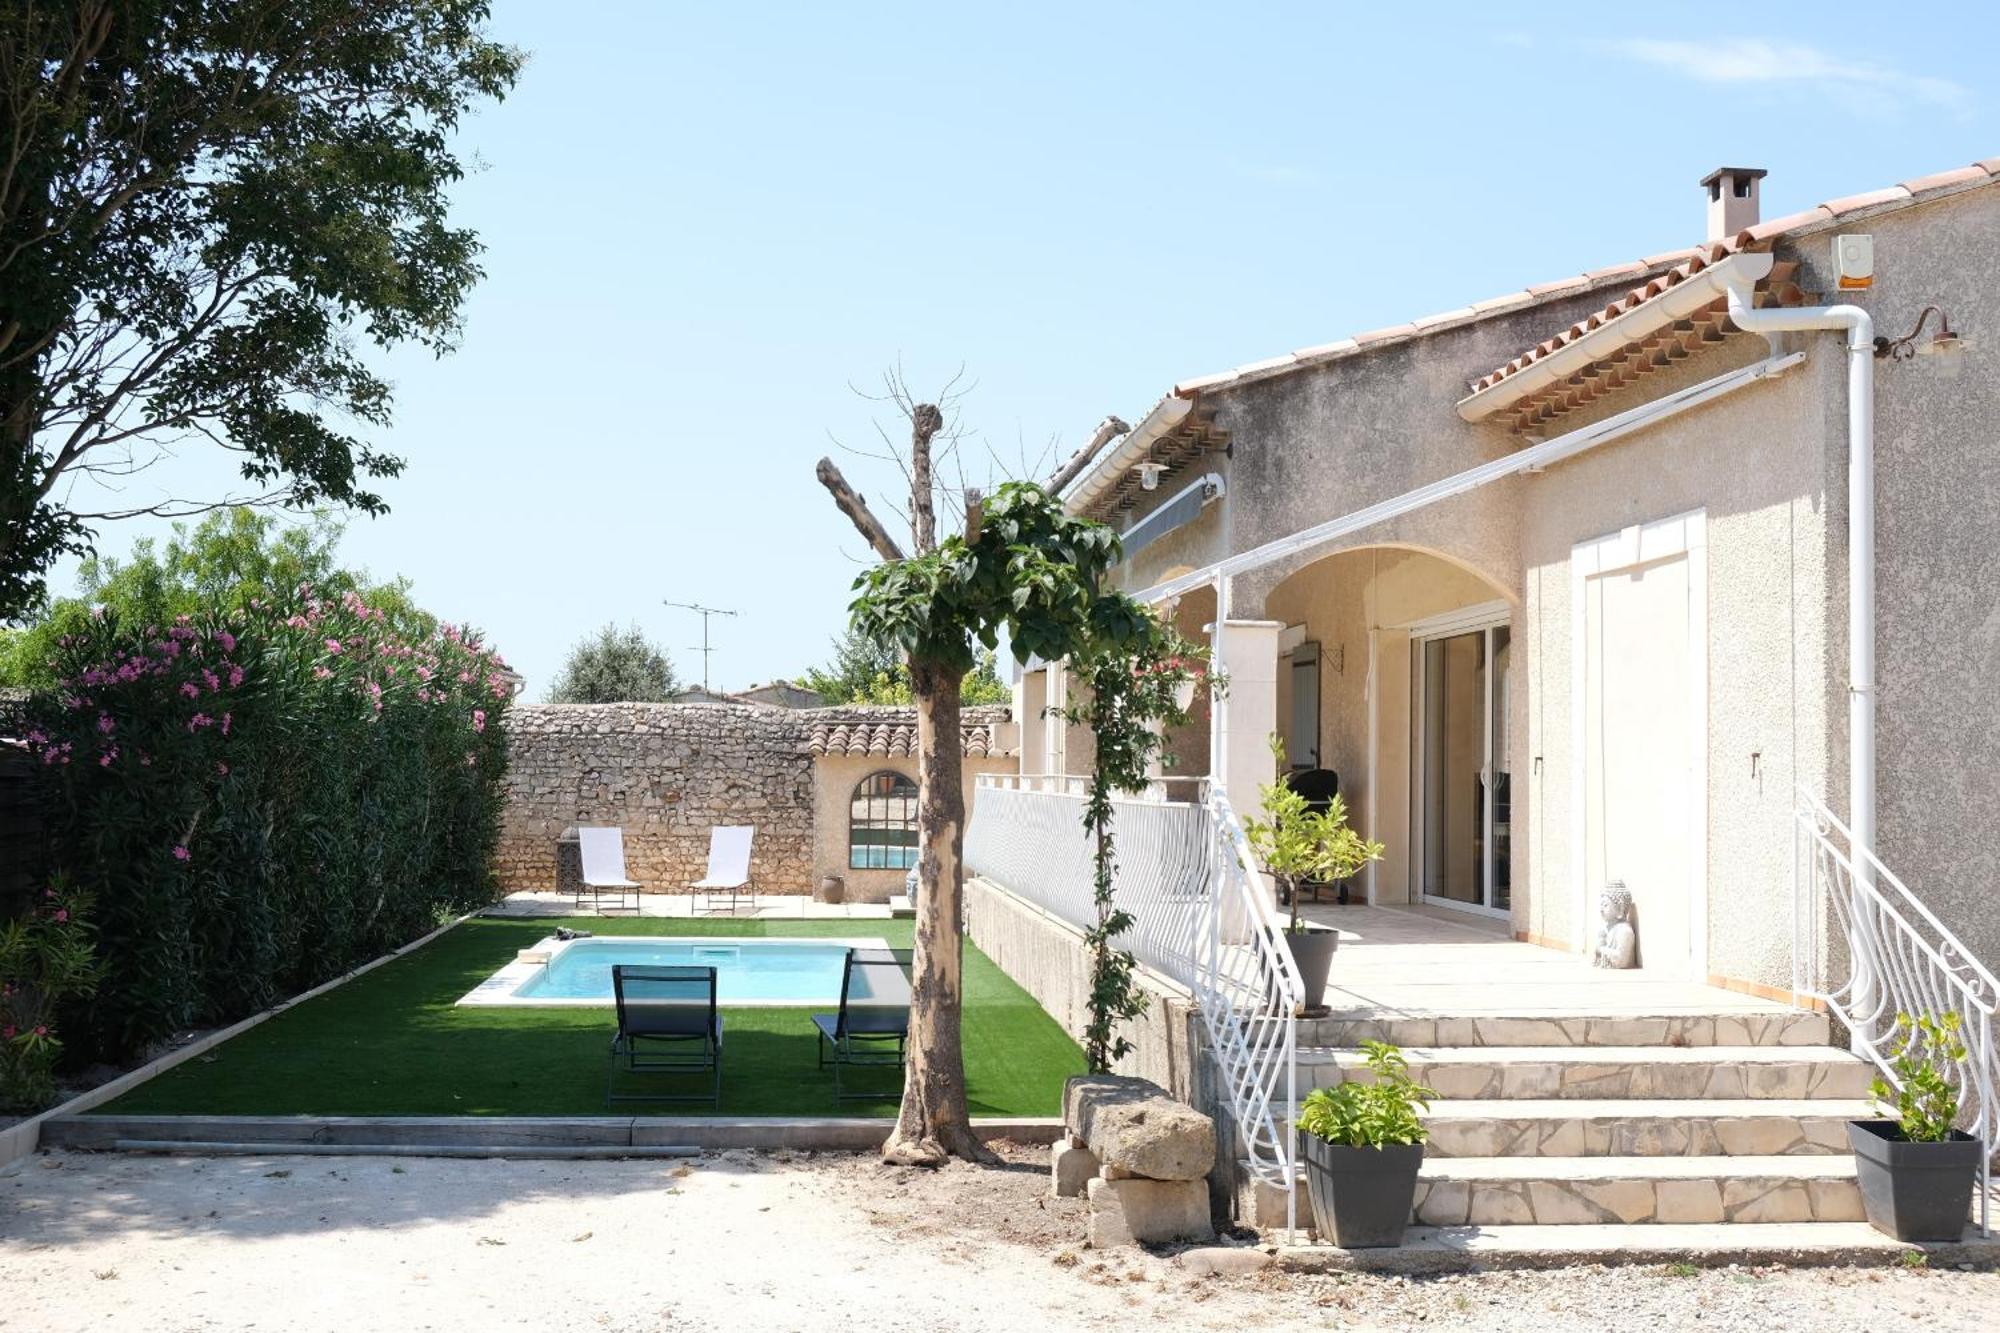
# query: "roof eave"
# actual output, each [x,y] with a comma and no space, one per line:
[1678,302]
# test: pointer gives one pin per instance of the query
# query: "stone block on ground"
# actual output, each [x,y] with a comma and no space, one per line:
[1137,1130]
[1125,1212]
[1070,1169]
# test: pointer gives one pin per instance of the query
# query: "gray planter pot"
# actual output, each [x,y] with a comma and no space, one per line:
[1361,1197]
[1914,1191]
[1313,952]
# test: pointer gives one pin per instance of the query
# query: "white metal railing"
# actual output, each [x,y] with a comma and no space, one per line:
[1896,958]
[1201,916]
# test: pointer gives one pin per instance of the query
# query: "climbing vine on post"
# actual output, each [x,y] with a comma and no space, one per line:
[1137,675]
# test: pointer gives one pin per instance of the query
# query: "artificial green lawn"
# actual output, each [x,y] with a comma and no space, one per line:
[393,1042]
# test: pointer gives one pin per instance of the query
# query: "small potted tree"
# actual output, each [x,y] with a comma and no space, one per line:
[1916,1171]
[1299,845]
[1363,1148]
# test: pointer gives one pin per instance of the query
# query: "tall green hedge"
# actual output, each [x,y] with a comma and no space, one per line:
[260,799]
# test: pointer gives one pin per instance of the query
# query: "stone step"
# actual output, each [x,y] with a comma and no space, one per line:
[1702,1127]
[1596,1073]
[1568,1028]
[1458,1249]
[1577,1191]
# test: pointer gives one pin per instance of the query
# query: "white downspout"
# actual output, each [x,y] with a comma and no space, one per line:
[1860,329]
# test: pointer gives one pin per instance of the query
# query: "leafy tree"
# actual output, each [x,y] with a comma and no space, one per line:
[211,208]
[1022,567]
[225,563]
[615,666]
[863,672]
[982,684]
[860,668]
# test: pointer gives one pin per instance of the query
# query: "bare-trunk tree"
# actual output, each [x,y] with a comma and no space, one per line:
[934,1122]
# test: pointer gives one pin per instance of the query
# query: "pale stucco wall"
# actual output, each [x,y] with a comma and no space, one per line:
[834,780]
[1938,604]
[1767,465]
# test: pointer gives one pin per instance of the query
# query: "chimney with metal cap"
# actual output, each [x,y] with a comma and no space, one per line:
[1732,200]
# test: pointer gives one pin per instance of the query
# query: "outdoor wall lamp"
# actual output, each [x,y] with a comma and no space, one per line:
[1149,474]
[1946,344]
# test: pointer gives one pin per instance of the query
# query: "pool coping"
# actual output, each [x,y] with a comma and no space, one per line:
[501,1136]
[499,991]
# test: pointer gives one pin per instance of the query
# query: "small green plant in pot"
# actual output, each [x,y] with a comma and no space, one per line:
[1363,1148]
[1916,1171]
[1300,845]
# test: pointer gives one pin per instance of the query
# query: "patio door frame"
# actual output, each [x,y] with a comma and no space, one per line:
[1481,619]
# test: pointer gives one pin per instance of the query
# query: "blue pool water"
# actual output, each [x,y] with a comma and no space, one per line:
[746,972]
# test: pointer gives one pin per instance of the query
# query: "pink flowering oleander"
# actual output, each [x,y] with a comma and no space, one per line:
[180,853]
[333,646]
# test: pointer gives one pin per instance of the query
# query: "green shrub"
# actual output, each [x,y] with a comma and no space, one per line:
[46,959]
[260,799]
[1924,1100]
[1377,1114]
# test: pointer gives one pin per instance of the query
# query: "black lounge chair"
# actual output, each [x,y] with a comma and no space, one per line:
[872,1029]
[667,1024]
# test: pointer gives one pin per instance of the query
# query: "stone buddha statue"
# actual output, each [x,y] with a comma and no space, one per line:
[1617,940]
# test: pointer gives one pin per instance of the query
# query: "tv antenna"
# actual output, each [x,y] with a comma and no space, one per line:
[704,612]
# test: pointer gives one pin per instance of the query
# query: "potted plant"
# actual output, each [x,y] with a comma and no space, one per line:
[1299,845]
[1916,1171]
[1363,1148]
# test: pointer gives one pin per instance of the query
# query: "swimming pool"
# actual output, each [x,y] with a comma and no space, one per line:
[748,971]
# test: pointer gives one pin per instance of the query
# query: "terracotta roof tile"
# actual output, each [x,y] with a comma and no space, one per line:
[1665,257]
[1866,199]
[1632,269]
[1442,317]
[1939,179]
[1334,348]
[1384,335]
[1765,231]
[1680,264]
[891,733]
[1559,285]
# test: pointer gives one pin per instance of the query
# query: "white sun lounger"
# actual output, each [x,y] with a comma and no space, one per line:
[604,870]
[728,865]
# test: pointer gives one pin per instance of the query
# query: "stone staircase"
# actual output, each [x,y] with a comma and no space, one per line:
[1616,1120]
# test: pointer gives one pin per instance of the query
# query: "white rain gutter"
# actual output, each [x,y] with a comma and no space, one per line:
[1678,302]
[1860,330]
[1532,459]
[1127,454]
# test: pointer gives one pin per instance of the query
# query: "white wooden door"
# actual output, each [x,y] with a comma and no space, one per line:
[1641,635]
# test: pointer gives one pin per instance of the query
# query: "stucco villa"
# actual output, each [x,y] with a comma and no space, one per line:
[1667,574]
[1621,649]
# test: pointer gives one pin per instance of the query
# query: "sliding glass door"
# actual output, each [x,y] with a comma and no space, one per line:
[1461,799]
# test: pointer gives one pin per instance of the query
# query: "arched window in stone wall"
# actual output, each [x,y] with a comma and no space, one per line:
[882,823]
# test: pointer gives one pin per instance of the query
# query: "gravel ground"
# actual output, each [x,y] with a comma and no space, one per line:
[774,1242]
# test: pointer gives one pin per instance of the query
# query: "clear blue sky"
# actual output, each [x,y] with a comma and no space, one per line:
[704,222]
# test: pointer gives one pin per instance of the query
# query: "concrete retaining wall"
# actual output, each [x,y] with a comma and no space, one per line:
[1046,956]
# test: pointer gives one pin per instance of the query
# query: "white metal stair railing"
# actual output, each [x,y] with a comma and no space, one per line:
[1249,992]
[1899,959]
[1201,917]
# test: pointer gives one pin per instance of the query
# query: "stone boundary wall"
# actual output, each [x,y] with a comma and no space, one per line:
[666,774]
